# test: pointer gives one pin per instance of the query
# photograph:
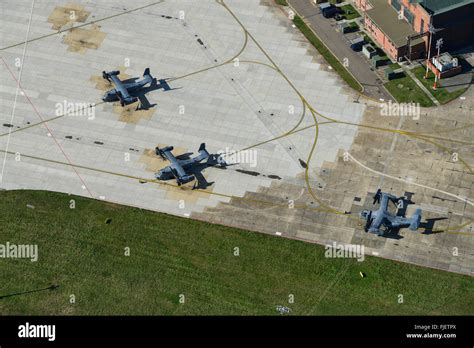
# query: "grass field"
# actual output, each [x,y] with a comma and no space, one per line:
[405,90]
[441,94]
[326,53]
[349,12]
[170,256]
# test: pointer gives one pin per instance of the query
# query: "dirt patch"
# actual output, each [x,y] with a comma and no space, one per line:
[104,85]
[154,163]
[129,113]
[67,15]
[186,193]
[80,39]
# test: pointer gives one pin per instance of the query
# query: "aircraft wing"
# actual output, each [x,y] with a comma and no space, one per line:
[119,86]
[377,221]
[175,165]
[384,203]
[166,153]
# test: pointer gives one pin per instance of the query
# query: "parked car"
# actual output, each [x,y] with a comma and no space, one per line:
[328,10]
[357,43]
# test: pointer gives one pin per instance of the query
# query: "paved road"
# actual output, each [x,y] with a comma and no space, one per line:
[338,44]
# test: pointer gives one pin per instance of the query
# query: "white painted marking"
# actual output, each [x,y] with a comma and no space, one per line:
[278,233]
[18,86]
[412,183]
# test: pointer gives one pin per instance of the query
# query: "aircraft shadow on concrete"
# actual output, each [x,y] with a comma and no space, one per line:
[429,225]
[144,103]
[197,170]
[394,233]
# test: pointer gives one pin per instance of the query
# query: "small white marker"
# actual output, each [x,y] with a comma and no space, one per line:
[49,134]
[330,67]
[186,214]
[278,233]
[83,187]
[381,99]
[462,98]
[294,26]
[22,93]
[102,197]
[375,253]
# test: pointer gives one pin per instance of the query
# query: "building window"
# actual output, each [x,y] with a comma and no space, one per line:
[408,15]
[396,5]
[422,25]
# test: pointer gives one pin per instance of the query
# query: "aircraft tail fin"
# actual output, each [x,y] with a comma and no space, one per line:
[147,78]
[146,72]
[203,154]
[415,220]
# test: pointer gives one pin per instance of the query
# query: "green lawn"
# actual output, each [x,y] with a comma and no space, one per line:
[349,12]
[441,94]
[354,25]
[281,2]
[326,53]
[170,256]
[405,90]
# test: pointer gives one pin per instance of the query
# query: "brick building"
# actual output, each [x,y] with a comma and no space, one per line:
[391,22]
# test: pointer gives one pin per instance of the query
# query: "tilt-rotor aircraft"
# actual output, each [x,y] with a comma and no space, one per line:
[381,221]
[177,168]
[122,91]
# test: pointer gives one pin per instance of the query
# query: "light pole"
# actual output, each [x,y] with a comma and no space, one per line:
[439,43]
[431,30]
